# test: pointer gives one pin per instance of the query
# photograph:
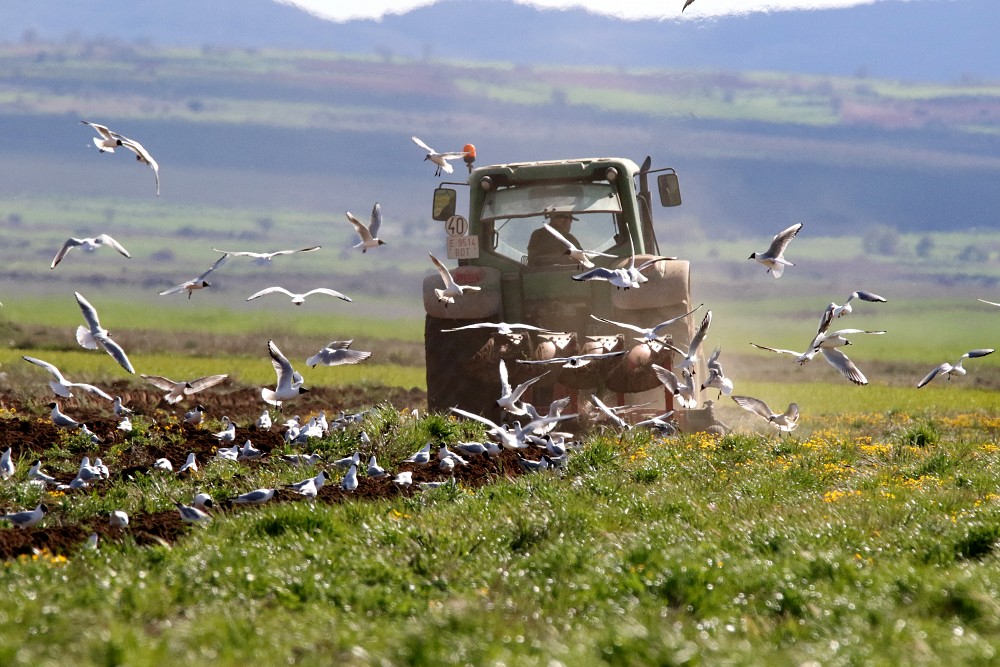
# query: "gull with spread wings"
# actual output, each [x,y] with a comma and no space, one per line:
[774,257]
[452,290]
[198,283]
[94,336]
[88,244]
[176,391]
[299,299]
[439,159]
[265,257]
[368,235]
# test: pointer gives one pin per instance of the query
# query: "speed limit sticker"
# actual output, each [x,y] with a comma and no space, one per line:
[456,225]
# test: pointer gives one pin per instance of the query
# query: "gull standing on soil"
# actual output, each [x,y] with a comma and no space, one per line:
[89,244]
[783,421]
[118,519]
[198,283]
[302,459]
[368,235]
[163,464]
[94,335]
[228,432]
[176,391]
[313,484]
[716,378]
[348,461]
[7,467]
[452,290]
[581,257]
[27,519]
[142,155]
[61,420]
[264,421]
[846,309]
[948,370]
[336,353]
[265,257]
[421,456]
[439,159]
[125,425]
[61,386]
[119,409]
[195,415]
[248,452]
[258,497]
[774,258]
[299,299]
[35,472]
[289,382]
[350,481]
[191,514]
[108,140]
[403,478]
[190,465]
[510,399]
[375,471]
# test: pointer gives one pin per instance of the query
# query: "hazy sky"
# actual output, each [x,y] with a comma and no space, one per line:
[343,10]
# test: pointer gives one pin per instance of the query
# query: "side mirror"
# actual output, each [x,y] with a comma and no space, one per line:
[444,203]
[669,188]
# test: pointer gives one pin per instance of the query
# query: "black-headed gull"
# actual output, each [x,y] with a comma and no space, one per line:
[510,398]
[421,457]
[716,377]
[27,519]
[94,335]
[7,466]
[948,370]
[228,431]
[118,519]
[61,386]
[649,334]
[681,389]
[452,290]
[375,471]
[336,353]
[404,478]
[350,481]
[191,514]
[575,361]
[190,464]
[783,421]
[89,244]
[298,299]
[503,328]
[508,439]
[774,258]
[62,420]
[257,497]
[142,155]
[439,159]
[610,413]
[195,415]
[289,382]
[265,257]
[176,391]
[108,140]
[846,308]
[368,235]
[198,283]
[578,255]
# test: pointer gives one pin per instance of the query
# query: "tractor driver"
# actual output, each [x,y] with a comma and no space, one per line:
[543,246]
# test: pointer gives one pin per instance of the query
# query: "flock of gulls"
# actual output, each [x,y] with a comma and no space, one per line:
[523,428]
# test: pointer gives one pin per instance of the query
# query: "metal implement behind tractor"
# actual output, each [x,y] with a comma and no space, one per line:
[611,206]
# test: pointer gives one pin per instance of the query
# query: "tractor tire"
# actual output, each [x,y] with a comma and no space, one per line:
[453,379]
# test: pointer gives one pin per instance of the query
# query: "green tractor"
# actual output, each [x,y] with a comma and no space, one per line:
[503,249]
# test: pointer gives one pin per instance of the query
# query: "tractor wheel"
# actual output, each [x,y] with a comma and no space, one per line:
[453,379]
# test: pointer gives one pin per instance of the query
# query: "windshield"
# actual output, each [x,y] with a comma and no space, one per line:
[518,214]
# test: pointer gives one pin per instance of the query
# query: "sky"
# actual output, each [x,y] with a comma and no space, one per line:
[345,10]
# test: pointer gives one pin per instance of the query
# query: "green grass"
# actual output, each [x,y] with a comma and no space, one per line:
[859,541]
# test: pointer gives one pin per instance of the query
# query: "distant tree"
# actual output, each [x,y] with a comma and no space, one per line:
[881,240]
[265,223]
[14,219]
[925,246]
[973,253]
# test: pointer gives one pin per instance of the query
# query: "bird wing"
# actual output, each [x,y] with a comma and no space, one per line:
[782,239]
[143,156]
[270,290]
[598,273]
[89,313]
[66,247]
[329,292]
[990,302]
[219,262]
[442,271]
[844,365]
[943,368]
[476,417]
[667,323]
[359,227]
[699,335]
[242,253]
[117,353]
[868,296]
[504,379]
[420,143]
[974,354]
[649,262]
[203,383]
[336,357]
[777,350]
[666,378]
[562,239]
[713,361]
[521,388]
[101,130]
[376,220]
[108,240]
[754,405]
[47,366]
[624,325]
[282,367]
[166,384]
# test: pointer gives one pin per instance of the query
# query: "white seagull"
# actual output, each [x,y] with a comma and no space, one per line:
[581,257]
[368,235]
[118,519]
[195,415]
[94,335]
[7,467]
[575,361]
[840,311]
[61,386]
[510,399]
[683,391]
[190,465]
[774,258]
[61,420]
[422,456]
[228,432]
[783,421]
[650,334]
[265,257]
[89,244]
[451,290]
[350,481]
[716,378]
[375,471]
[508,439]
[142,155]
[299,299]
[336,353]
[610,413]
[198,283]
[439,159]
[502,328]
[191,514]
[176,391]
[948,370]
[258,497]
[108,140]
[27,519]
[289,382]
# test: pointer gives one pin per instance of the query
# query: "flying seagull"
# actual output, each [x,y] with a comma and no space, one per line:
[503,328]
[108,140]
[142,155]
[783,421]
[94,335]
[846,309]
[451,290]
[948,370]
[61,386]
[89,244]
[581,257]
[649,334]
[176,391]
[439,159]
[299,299]
[575,361]
[336,353]
[265,257]
[289,382]
[368,235]
[198,283]
[774,258]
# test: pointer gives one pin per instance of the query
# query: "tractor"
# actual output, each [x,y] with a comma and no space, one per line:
[611,207]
